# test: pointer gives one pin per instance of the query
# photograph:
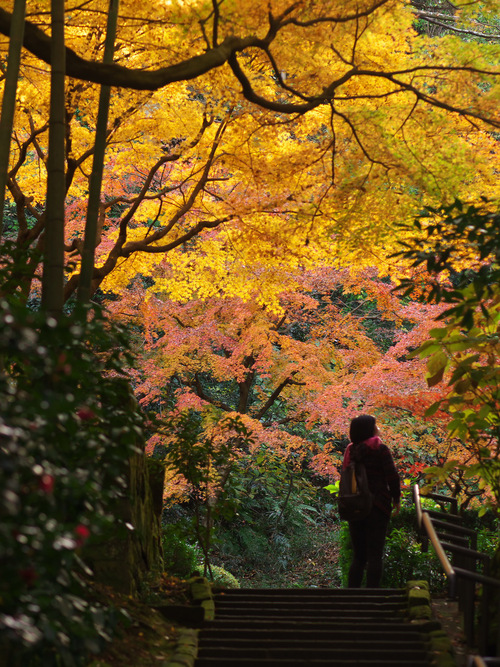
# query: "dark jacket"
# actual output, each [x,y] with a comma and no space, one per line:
[383,478]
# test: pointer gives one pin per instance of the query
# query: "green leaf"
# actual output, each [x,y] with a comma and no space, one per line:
[462,386]
[438,333]
[426,349]
[485,411]
[431,410]
[437,362]
[436,378]
[458,344]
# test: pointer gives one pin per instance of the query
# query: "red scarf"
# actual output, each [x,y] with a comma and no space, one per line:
[372,443]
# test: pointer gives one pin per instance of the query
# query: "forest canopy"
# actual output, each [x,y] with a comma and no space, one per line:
[297,134]
[262,163]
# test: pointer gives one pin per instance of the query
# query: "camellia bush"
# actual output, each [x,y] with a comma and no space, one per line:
[68,425]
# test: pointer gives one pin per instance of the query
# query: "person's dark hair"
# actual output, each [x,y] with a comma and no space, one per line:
[362,428]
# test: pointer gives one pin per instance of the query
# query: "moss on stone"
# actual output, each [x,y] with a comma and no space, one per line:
[200,589]
[186,649]
[418,596]
[418,612]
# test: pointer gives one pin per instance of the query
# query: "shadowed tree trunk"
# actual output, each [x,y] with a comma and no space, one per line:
[9,96]
[53,265]
[88,254]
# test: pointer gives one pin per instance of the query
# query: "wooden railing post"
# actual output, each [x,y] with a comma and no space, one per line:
[462,574]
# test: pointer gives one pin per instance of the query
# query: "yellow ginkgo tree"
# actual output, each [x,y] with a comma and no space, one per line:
[294,133]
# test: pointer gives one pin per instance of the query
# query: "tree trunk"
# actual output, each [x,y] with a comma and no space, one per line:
[88,254]
[9,96]
[53,262]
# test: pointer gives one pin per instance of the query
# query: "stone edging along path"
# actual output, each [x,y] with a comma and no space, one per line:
[419,614]
[186,648]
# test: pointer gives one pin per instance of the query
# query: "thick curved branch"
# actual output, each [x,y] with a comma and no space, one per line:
[145,245]
[38,43]
[250,94]
[275,395]
[201,393]
[338,19]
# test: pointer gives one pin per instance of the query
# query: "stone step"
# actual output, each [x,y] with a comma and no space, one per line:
[311,662]
[313,632]
[311,628]
[319,607]
[299,643]
[366,624]
[332,652]
[389,600]
[310,595]
[337,592]
[338,614]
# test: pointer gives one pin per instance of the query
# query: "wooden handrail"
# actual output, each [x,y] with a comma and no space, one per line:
[418,504]
[476,661]
[461,530]
[440,553]
[453,573]
[476,576]
[440,497]
[479,661]
[464,551]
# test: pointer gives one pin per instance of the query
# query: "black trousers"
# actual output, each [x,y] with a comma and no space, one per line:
[368,539]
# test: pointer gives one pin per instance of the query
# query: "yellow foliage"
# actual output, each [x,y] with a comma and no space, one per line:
[215,191]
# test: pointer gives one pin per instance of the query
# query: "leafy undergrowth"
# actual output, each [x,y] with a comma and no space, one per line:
[318,565]
[149,636]
[447,613]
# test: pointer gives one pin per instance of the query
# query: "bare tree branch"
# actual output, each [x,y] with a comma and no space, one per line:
[275,395]
[438,19]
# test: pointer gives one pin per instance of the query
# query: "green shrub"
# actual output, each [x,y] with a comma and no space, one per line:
[68,426]
[197,453]
[404,560]
[179,556]
[223,578]
[487,540]
[345,553]
[268,510]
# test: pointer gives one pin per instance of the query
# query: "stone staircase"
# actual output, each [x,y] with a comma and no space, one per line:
[314,627]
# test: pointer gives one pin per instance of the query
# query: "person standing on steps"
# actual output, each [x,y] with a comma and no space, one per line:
[368,534]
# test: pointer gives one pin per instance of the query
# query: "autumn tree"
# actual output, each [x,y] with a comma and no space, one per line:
[295,376]
[245,143]
[297,132]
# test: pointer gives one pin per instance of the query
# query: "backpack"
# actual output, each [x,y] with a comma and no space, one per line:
[354,497]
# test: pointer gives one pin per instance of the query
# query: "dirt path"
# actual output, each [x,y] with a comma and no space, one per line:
[446,612]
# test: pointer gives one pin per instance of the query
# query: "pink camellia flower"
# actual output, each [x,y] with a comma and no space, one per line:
[82,534]
[86,413]
[46,483]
